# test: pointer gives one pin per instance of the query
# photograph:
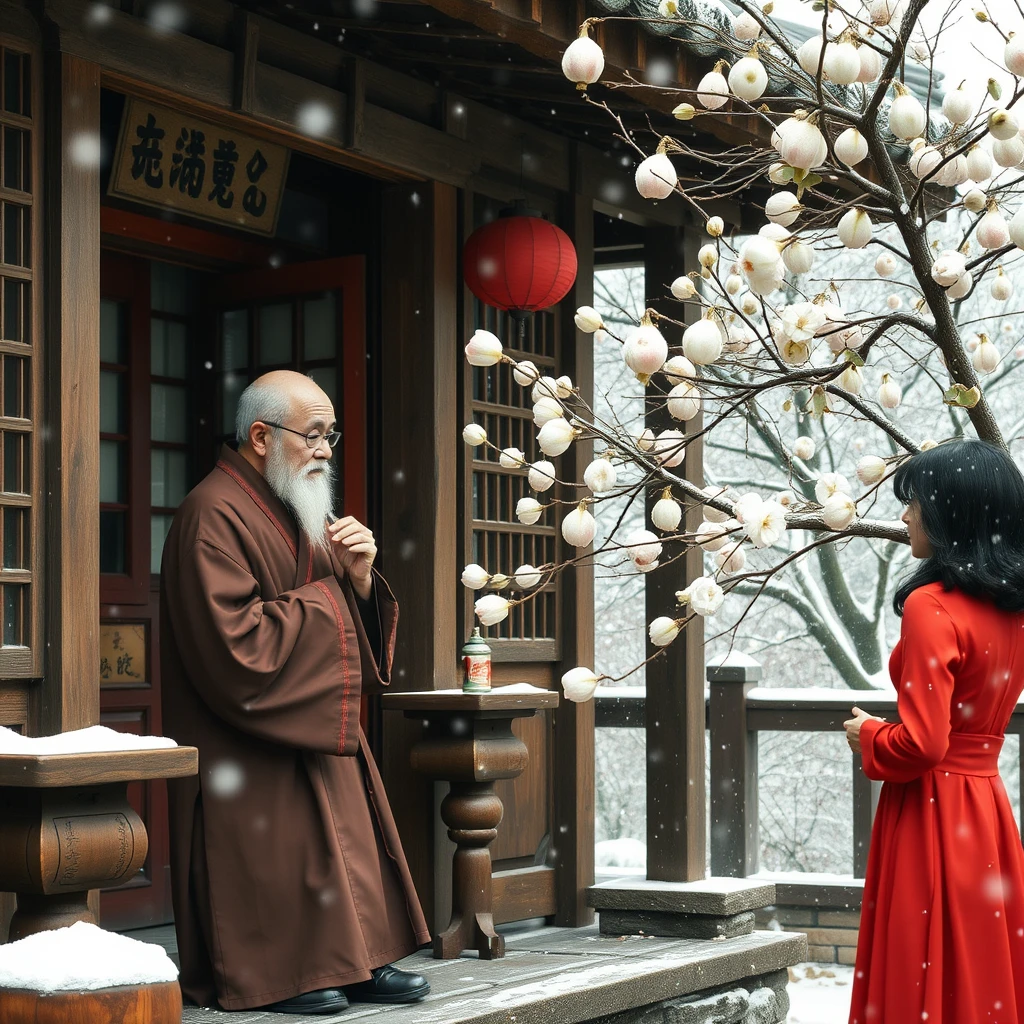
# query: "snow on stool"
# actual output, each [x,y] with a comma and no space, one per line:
[86,974]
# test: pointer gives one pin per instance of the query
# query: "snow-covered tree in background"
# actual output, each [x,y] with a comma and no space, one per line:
[862,323]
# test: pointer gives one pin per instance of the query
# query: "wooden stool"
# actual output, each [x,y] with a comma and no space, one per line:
[470,744]
[126,1004]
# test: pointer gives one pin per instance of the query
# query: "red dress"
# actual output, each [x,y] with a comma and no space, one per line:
[942,923]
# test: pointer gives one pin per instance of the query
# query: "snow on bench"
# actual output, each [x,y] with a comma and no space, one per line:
[82,958]
[95,739]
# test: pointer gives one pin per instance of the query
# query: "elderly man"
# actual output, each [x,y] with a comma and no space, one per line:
[291,891]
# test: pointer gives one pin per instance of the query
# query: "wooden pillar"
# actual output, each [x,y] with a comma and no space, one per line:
[70,694]
[419,434]
[676,817]
[735,836]
[574,723]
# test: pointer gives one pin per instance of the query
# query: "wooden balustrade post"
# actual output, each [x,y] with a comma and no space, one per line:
[865,800]
[735,840]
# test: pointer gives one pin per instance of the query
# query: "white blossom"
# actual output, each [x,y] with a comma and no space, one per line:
[765,524]
[704,595]
[511,458]
[541,475]
[579,684]
[491,609]
[484,349]
[828,484]
[663,630]
[475,577]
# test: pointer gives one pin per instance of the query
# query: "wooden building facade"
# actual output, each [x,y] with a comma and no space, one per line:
[194,192]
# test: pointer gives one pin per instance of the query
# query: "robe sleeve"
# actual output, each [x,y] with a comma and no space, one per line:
[377,636]
[286,670]
[930,651]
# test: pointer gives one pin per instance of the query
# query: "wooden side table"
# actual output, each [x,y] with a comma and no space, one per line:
[470,744]
[66,827]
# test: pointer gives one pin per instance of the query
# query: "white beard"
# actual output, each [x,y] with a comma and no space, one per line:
[308,492]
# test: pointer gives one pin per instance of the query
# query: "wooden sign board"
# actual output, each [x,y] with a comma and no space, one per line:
[122,654]
[173,160]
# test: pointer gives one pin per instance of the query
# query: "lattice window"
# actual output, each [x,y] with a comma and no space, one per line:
[20,265]
[498,541]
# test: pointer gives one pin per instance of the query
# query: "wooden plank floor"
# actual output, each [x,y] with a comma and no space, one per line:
[549,976]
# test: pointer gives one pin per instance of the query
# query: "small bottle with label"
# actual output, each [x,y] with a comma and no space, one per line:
[476,664]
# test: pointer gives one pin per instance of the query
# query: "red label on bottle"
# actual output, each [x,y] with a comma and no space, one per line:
[477,672]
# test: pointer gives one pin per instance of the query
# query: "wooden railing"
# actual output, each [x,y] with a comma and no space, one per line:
[737,709]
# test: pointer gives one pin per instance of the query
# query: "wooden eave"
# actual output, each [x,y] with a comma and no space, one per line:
[253,72]
[545,28]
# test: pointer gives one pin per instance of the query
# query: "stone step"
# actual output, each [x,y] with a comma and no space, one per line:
[572,976]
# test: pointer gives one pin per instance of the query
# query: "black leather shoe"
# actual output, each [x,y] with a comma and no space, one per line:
[322,1001]
[389,985]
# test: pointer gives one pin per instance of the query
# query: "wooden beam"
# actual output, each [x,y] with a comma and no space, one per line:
[675,715]
[574,723]
[355,104]
[523,893]
[247,41]
[133,232]
[17,23]
[70,691]
[418,446]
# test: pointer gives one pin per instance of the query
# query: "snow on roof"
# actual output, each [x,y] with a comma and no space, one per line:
[82,958]
[79,741]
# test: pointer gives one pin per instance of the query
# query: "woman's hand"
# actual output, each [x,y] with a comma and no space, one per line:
[852,728]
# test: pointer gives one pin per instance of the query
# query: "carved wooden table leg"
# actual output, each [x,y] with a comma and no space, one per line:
[471,751]
[472,812]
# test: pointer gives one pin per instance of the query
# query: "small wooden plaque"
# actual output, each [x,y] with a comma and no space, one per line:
[123,659]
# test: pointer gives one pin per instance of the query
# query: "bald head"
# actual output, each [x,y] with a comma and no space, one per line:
[283,396]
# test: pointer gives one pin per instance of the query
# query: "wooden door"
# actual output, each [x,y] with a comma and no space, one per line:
[150,343]
[308,317]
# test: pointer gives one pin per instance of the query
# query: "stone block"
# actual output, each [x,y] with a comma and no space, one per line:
[764,1008]
[846,955]
[838,918]
[786,916]
[821,954]
[719,897]
[778,983]
[723,1008]
[679,926]
[831,936]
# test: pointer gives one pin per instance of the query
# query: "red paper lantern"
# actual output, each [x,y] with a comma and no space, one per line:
[519,262]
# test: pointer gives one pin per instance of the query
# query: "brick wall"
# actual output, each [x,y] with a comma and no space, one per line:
[831,933]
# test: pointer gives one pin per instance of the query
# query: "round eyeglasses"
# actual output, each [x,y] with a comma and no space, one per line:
[313,439]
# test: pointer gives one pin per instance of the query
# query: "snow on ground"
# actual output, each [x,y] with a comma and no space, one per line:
[620,853]
[819,994]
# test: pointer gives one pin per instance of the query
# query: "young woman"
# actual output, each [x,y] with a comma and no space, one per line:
[942,922]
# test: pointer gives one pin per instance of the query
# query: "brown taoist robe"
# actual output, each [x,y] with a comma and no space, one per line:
[288,873]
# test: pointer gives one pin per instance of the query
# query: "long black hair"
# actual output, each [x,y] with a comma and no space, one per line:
[971,496]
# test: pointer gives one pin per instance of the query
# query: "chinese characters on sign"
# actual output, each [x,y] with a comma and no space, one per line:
[122,654]
[171,159]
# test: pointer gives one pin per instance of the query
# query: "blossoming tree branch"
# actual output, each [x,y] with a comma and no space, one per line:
[853,160]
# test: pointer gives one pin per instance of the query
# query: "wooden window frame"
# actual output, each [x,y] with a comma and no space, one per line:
[126,279]
[26,662]
[517,649]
